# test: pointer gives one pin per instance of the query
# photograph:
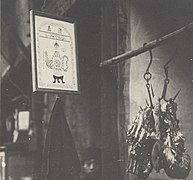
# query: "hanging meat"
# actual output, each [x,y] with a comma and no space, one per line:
[139,139]
[140,143]
[171,155]
[154,137]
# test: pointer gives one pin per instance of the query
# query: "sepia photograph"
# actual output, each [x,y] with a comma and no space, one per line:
[96,90]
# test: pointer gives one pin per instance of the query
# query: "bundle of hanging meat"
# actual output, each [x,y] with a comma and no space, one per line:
[155,141]
[140,143]
[170,149]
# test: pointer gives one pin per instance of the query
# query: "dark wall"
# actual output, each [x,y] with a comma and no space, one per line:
[83,110]
[92,115]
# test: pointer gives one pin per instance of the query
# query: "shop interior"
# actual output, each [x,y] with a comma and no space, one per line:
[116,41]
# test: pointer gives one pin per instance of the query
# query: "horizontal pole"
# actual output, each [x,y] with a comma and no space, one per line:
[146,47]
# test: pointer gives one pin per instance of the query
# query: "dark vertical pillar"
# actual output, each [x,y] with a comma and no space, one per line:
[37,113]
[84,118]
[110,169]
[123,45]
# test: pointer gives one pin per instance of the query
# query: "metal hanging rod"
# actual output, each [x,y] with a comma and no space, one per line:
[146,47]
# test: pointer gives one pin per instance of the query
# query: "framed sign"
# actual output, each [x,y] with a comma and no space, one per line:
[54,53]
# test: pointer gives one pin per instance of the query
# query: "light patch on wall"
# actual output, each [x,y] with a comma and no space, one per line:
[23,120]
[4,68]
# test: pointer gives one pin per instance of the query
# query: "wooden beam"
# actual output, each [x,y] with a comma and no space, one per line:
[146,47]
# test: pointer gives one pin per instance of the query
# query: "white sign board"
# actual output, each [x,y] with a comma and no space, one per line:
[54,53]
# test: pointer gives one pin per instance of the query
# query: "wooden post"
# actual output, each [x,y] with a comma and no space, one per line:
[146,47]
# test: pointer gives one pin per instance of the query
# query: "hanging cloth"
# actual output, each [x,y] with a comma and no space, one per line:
[60,159]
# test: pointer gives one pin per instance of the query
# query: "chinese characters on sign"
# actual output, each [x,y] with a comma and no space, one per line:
[54,58]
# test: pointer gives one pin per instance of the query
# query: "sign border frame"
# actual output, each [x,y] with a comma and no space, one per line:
[35,88]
